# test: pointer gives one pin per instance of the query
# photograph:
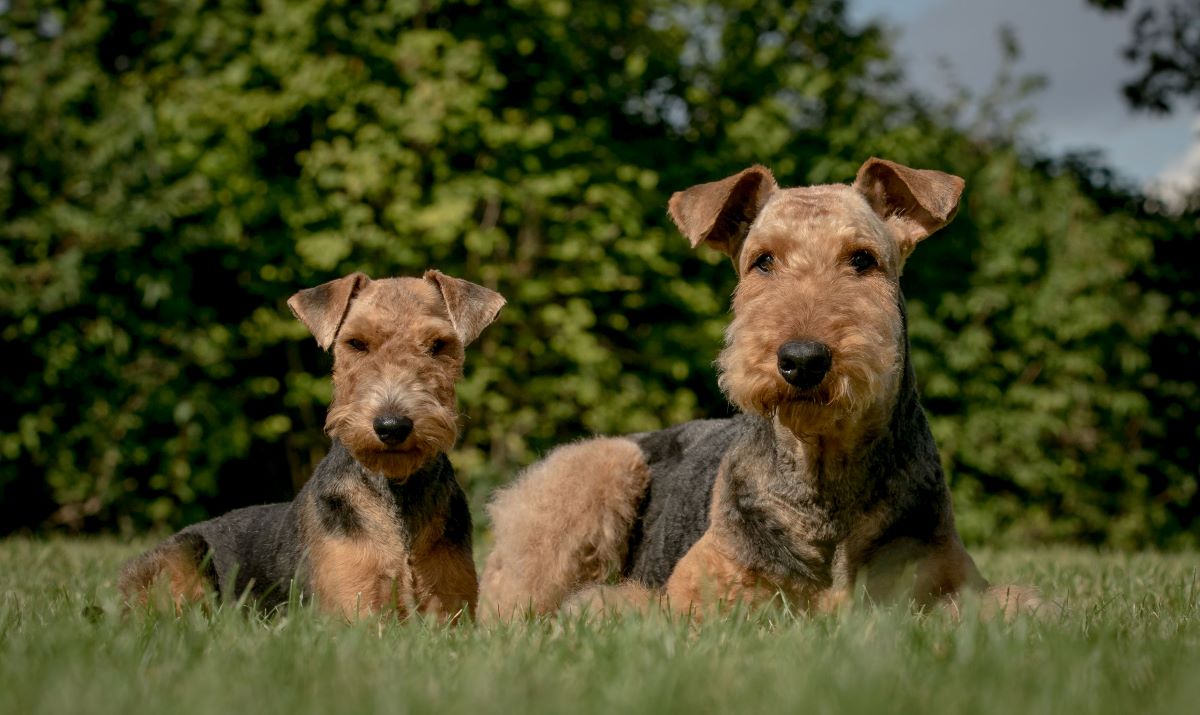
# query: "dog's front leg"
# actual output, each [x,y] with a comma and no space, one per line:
[446,583]
[354,578]
[948,573]
[709,577]
[625,597]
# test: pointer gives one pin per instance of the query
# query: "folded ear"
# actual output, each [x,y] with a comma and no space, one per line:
[472,307]
[719,213]
[324,308]
[913,202]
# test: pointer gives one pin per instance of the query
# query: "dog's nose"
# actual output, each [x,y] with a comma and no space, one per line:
[392,429]
[803,363]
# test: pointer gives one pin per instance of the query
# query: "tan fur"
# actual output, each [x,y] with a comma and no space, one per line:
[471,307]
[709,576]
[360,577]
[624,597]
[913,202]
[565,522]
[817,266]
[398,320]
[414,332]
[356,578]
[376,572]
[812,292]
[444,582]
[323,308]
[166,578]
[398,347]
[718,213]
[811,233]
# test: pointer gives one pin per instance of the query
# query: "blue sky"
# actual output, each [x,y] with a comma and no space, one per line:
[1077,48]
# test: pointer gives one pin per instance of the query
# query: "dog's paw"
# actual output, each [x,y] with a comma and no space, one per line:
[595,602]
[1010,601]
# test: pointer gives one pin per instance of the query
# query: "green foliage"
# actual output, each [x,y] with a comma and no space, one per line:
[170,174]
[1035,372]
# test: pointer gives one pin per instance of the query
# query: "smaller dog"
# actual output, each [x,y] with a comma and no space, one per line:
[382,524]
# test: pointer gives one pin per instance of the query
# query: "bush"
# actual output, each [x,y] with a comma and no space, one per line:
[170,174]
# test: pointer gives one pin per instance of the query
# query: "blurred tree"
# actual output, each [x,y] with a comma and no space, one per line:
[170,174]
[1165,47]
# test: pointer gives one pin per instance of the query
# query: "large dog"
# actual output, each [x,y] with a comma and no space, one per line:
[829,478]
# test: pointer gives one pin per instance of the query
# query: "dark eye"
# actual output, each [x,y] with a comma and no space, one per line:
[863,261]
[437,346]
[764,262]
[356,344]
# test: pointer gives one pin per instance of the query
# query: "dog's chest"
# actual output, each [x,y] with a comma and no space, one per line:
[800,532]
[812,540]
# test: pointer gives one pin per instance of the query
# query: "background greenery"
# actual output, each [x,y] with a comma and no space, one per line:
[171,172]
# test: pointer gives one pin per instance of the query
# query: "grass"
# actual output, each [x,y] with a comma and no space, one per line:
[1129,642]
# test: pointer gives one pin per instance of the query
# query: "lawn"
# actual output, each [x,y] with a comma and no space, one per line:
[1128,642]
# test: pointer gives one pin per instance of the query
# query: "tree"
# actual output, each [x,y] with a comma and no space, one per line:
[170,174]
[1165,47]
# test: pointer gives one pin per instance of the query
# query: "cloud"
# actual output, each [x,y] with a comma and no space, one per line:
[1078,49]
[1180,181]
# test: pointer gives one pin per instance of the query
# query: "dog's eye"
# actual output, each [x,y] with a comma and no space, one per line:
[764,262]
[863,261]
[357,345]
[437,346]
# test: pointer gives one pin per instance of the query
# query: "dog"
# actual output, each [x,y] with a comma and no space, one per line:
[828,479]
[382,525]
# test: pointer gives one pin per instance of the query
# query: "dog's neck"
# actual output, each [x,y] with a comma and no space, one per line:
[789,500]
[420,501]
[874,445]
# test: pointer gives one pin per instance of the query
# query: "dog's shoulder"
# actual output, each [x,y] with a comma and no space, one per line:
[684,461]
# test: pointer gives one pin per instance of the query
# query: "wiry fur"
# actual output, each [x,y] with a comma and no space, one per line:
[810,233]
[169,576]
[398,320]
[565,522]
[819,485]
[379,526]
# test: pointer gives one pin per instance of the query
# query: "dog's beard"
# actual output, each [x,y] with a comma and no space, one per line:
[435,430]
[847,394]
[811,414]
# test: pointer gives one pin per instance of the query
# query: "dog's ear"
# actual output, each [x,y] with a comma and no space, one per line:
[719,213]
[324,308]
[913,202]
[472,307]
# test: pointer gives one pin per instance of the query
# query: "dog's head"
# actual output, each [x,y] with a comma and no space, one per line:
[398,349]
[817,337]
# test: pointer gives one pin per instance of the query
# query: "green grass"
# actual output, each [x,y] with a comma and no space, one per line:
[1129,642]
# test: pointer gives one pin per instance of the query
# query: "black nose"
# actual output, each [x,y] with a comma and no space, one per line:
[392,429]
[803,363]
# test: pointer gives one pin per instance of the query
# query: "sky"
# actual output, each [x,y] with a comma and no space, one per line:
[1077,48]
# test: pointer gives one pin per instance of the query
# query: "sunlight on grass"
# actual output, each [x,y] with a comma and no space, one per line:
[1129,641]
